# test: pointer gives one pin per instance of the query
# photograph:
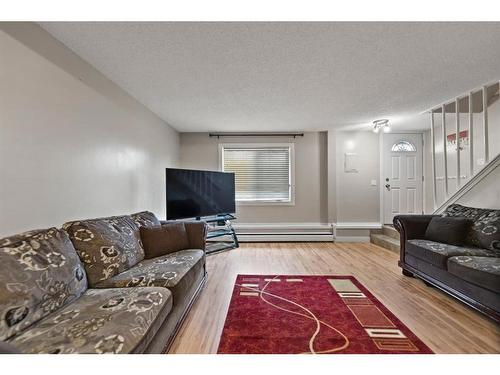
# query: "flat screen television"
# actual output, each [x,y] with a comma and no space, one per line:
[194,193]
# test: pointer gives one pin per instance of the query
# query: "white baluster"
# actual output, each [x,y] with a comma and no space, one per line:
[445,156]
[471,137]
[485,124]
[457,131]
[433,155]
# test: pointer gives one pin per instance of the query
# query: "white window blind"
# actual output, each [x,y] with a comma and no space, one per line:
[262,174]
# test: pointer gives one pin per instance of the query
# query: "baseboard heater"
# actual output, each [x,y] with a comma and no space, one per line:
[284,232]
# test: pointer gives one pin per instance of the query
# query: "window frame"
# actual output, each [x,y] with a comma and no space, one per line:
[291,147]
[404,141]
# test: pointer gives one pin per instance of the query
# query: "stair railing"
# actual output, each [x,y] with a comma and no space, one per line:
[473,101]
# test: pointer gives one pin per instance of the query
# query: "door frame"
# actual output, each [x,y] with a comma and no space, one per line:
[381,170]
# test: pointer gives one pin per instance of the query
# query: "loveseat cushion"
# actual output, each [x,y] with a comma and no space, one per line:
[485,231]
[40,272]
[437,253]
[176,271]
[481,271]
[106,246]
[100,321]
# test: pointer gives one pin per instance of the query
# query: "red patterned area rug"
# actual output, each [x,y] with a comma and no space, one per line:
[311,314]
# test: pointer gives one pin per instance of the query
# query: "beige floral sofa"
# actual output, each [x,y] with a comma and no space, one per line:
[86,288]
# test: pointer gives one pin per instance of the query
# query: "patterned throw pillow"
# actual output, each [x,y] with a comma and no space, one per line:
[145,219]
[485,231]
[106,246]
[40,272]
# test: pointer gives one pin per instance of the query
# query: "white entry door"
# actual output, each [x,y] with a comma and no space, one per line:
[402,175]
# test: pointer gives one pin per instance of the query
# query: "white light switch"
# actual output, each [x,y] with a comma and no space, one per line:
[350,162]
[480,161]
[373,183]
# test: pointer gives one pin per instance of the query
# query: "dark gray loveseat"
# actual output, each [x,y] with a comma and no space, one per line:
[86,288]
[470,273]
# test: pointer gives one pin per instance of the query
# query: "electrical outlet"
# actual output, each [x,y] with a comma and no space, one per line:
[373,183]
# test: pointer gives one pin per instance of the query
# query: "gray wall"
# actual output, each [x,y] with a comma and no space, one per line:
[324,193]
[72,144]
[486,194]
[199,151]
[357,200]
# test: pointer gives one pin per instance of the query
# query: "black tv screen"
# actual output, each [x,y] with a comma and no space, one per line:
[193,193]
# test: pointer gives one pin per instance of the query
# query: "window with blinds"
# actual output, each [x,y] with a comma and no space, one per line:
[262,174]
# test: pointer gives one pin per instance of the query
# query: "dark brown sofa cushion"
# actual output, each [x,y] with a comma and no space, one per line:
[449,230]
[197,234]
[481,271]
[166,239]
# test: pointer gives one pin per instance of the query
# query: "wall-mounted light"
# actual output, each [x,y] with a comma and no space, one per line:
[381,124]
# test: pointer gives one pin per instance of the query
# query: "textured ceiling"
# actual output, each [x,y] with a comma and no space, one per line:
[287,76]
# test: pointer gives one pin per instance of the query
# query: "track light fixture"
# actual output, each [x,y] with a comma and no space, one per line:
[381,124]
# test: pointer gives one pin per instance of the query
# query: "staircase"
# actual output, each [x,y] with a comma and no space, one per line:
[464,142]
[387,237]
[491,167]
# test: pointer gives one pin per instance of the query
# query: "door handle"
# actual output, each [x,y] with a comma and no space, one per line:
[388,187]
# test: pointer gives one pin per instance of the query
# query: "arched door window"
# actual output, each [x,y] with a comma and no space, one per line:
[403,146]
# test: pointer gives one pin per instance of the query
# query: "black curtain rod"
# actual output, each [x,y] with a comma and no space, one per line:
[218,135]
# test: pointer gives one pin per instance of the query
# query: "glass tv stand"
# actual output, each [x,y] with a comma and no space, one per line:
[221,235]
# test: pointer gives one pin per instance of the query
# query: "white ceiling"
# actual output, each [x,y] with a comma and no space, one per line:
[293,76]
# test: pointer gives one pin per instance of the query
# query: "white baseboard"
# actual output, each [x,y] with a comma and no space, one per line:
[283,227]
[352,239]
[285,238]
[300,232]
[357,225]
[300,238]
[284,232]
[352,227]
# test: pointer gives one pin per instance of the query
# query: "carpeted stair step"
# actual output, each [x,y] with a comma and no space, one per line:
[390,231]
[385,241]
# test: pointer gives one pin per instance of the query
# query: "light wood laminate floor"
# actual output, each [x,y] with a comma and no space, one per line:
[444,324]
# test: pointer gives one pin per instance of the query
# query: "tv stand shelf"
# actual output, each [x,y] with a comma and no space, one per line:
[219,227]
